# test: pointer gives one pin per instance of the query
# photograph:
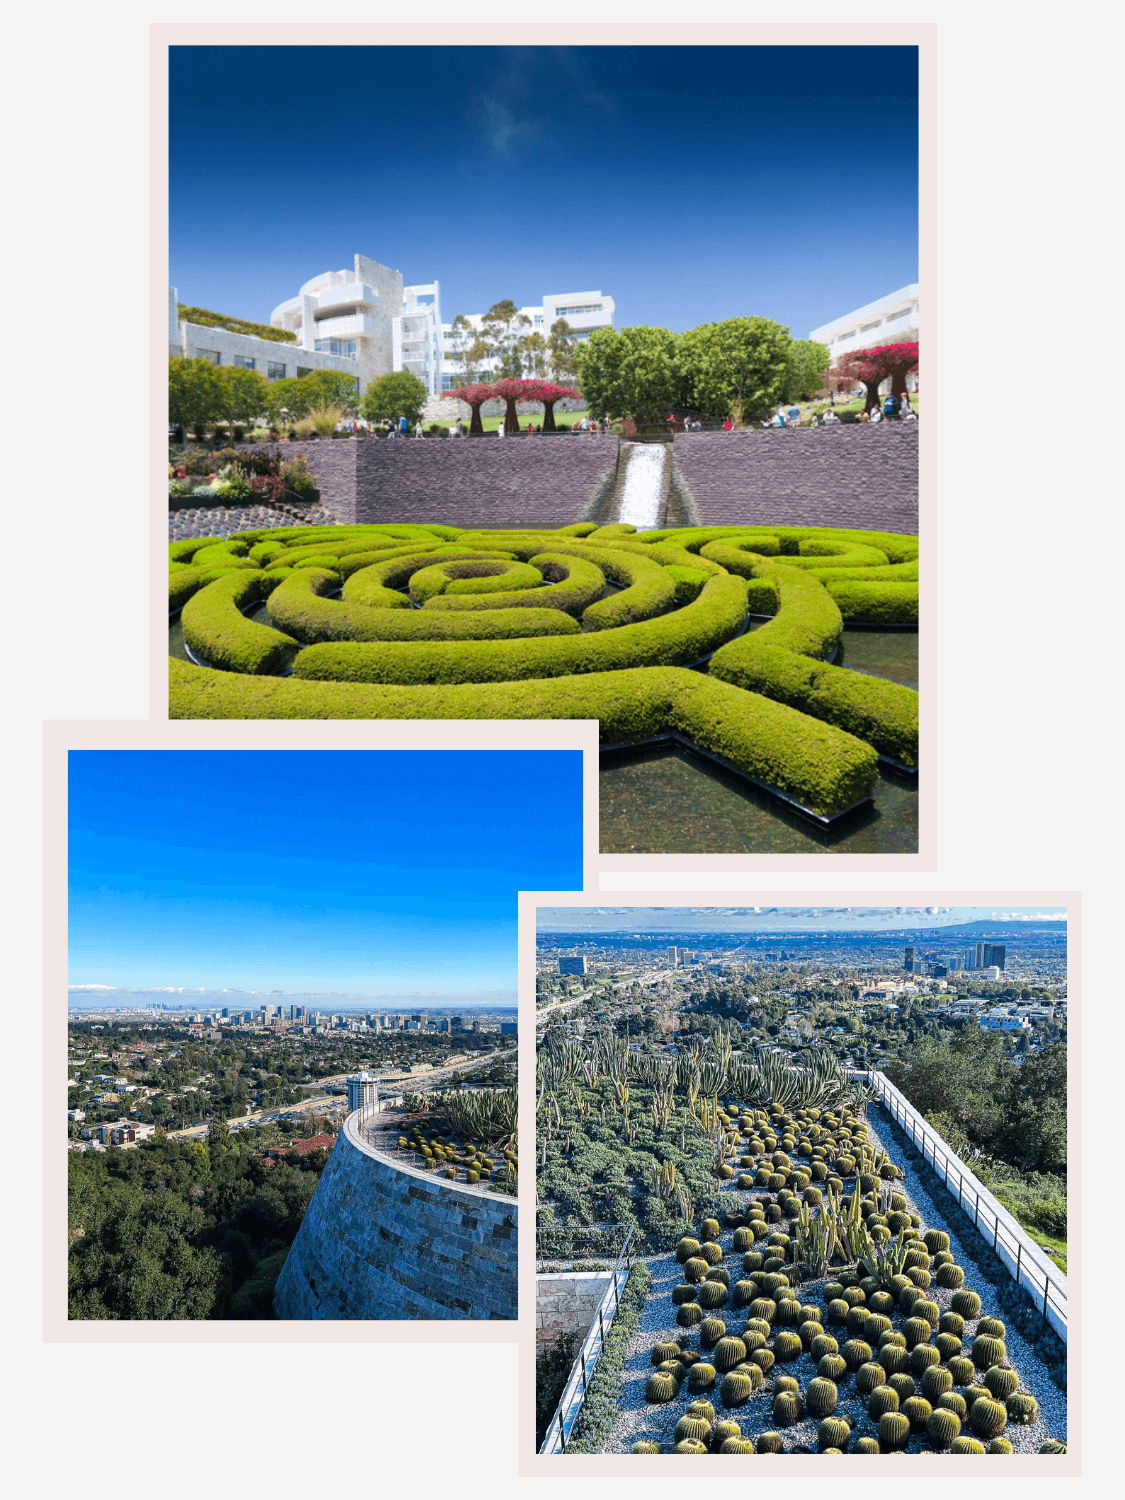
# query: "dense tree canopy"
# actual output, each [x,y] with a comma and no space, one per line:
[631,371]
[741,362]
[392,396]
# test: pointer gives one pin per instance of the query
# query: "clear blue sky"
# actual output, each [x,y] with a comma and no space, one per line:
[689,183]
[794,918]
[373,871]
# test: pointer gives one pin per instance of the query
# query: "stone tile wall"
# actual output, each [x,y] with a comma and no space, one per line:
[853,475]
[566,1301]
[383,1241]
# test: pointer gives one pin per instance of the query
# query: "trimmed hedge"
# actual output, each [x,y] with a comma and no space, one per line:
[572,585]
[824,767]
[215,629]
[298,607]
[876,603]
[484,575]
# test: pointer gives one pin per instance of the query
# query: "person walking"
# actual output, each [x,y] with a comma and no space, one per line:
[403,425]
[904,407]
[418,428]
[890,408]
[794,415]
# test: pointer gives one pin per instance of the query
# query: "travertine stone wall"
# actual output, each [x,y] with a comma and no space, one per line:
[853,475]
[384,1241]
[565,1302]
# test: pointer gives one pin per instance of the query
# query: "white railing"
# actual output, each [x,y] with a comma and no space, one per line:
[1029,1266]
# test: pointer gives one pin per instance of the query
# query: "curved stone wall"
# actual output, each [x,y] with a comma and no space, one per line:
[382,1240]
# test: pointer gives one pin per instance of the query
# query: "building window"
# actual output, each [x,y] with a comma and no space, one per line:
[274,371]
[343,348]
[585,307]
[867,327]
[538,320]
[243,361]
[302,371]
[212,354]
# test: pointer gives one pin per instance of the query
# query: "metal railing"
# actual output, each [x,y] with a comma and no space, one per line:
[577,1386]
[1025,1261]
[557,1243]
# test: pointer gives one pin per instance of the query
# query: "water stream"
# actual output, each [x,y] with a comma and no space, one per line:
[642,491]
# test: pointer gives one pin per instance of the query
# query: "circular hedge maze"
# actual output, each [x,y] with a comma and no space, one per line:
[646,632]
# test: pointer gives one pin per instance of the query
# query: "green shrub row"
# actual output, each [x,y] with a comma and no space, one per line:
[876,603]
[298,608]
[483,575]
[215,628]
[824,767]
[669,640]
[600,1407]
[572,585]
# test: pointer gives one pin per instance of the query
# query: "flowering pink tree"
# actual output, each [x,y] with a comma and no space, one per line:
[475,396]
[512,391]
[547,392]
[870,367]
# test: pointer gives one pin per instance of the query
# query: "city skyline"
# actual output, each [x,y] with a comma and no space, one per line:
[775,919]
[766,203]
[364,872]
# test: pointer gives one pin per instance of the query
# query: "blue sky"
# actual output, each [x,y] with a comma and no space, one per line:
[690,184]
[380,872]
[794,918]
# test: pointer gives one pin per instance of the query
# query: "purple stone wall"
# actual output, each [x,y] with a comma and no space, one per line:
[852,475]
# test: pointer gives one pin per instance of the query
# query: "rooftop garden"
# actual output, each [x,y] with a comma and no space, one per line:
[203,317]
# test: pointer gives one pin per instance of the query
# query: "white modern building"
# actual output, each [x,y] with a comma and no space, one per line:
[363,1091]
[585,312]
[891,320]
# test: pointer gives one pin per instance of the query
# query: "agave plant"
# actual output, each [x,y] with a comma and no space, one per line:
[886,1259]
[486,1115]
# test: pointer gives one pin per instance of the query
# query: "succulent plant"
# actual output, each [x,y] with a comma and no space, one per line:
[866,1445]
[764,1359]
[935,1382]
[752,1261]
[993,1327]
[711,1253]
[831,1367]
[711,1294]
[920,1277]
[1000,1445]
[823,1344]
[856,1353]
[833,1433]
[685,1292]
[722,1431]
[1001,1381]
[821,1397]
[894,1431]
[882,1399]
[743,1238]
[695,1428]
[947,1345]
[965,1302]
[727,1353]
[688,1314]
[893,1359]
[666,1349]
[903,1384]
[953,1401]
[988,1416]
[837,1310]
[757,1325]
[769,1442]
[686,1248]
[737,1388]
[661,1387]
[701,1377]
[935,1240]
[711,1331]
[950,1276]
[787,1346]
[1052,1445]
[764,1309]
[922,1356]
[951,1322]
[922,1307]
[788,1313]
[870,1377]
[737,1445]
[1022,1408]
[917,1411]
[701,1407]
[786,1408]
[695,1268]
[988,1350]
[646,1445]
[943,1428]
[907,1298]
[674,1367]
[689,1445]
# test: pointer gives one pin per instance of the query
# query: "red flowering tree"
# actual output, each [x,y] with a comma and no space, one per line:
[870,367]
[546,392]
[512,391]
[475,396]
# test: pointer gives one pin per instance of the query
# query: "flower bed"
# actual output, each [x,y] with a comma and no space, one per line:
[583,622]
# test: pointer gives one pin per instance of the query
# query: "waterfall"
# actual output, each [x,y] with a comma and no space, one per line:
[642,490]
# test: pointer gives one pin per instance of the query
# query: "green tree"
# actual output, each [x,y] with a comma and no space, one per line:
[289,401]
[631,372]
[504,329]
[466,350]
[394,395]
[804,369]
[534,355]
[332,388]
[196,394]
[741,361]
[561,347]
[246,395]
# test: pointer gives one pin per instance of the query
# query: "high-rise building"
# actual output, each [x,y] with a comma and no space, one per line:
[673,956]
[908,961]
[572,965]
[995,954]
[363,1089]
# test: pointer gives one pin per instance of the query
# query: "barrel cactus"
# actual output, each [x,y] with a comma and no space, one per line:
[764,1308]
[948,1346]
[953,1401]
[1052,1445]
[833,1433]
[764,1359]
[894,1431]
[769,1442]
[752,1261]
[922,1307]
[646,1445]
[988,1416]
[823,1344]
[695,1269]
[1001,1382]
[870,1377]
[788,1312]
[951,1322]
[709,1229]
[701,1377]
[711,1330]
[966,1445]
[787,1346]
[922,1356]
[856,1353]
[690,1445]
[893,1359]
[1000,1445]
[993,1327]
[721,1432]
[661,1387]
[837,1310]
[688,1314]
[965,1302]
[786,1408]
[832,1367]
[883,1398]
[988,1351]
[684,1292]
[743,1239]
[903,1384]
[1022,1408]
[736,1389]
[752,1339]
[701,1407]
[943,1428]
[936,1381]
[742,1293]
[916,1331]
[917,1411]
[962,1369]
[686,1248]
[866,1445]
[692,1427]
[950,1276]
[727,1353]
[666,1349]
[712,1294]
[935,1240]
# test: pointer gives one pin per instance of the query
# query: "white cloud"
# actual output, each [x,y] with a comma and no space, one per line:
[91,986]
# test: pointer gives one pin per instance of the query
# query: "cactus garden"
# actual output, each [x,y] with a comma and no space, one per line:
[806,1295]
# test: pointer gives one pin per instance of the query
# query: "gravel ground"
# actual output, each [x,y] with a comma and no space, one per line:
[638,1419]
[226,520]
